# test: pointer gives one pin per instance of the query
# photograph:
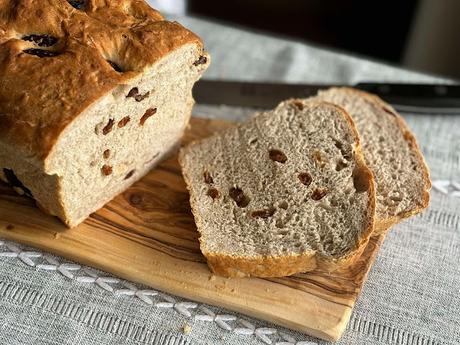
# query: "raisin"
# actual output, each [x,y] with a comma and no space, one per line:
[360,180]
[263,213]
[213,193]
[41,40]
[277,156]
[201,61]
[133,92]
[106,170]
[385,109]
[106,154]
[238,196]
[108,127]
[40,52]
[319,193]
[298,104]
[140,97]
[115,66]
[149,112]
[208,178]
[124,121]
[305,178]
[130,174]
[78,4]
[16,183]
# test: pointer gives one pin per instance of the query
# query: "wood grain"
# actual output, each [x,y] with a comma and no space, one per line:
[147,235]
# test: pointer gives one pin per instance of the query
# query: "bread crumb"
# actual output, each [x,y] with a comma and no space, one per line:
[212,277]
[186,329]
[56,235]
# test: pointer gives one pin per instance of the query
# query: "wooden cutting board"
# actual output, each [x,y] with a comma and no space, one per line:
[147,235]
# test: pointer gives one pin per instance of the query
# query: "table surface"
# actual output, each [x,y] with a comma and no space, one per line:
[412,295]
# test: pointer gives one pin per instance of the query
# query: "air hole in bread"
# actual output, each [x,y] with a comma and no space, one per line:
[106,154]
[207,177]
[14,182]
[41,40]
[213,193]
[277,156]
[124,121]
[346,153]
[360,180]
[319,159]
[115,66]
[108,127]
[42,53]
[201,61]
[396,198]
[333,202]
[283,204]
[305,178]
[280,225]
[106,170]
[265,213]
[130,174]
[239,197]
[319,193]
[253,141]
[340,165]
[148,113]
[78,4]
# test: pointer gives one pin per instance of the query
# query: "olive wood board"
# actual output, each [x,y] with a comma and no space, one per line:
[147,235]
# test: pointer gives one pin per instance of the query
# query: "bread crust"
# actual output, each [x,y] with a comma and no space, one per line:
[279,266]
[41,96]
[382,225]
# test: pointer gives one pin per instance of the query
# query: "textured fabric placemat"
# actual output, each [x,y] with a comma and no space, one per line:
[412,295]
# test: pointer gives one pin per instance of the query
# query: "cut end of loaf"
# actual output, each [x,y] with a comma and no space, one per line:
[288,188]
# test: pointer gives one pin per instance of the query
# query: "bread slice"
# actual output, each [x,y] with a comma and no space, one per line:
[283,193]
[391,152]
[93,94]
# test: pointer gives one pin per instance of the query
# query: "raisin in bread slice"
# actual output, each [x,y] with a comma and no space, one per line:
[391,152]
[93,94]
[283,193]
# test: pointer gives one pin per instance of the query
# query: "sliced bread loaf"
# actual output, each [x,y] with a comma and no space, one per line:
[93,94]
[283,193]
[391,152]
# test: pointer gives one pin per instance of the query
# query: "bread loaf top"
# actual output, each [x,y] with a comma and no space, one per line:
[57,57]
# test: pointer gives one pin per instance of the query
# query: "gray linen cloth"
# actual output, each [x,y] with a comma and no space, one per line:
[412,295]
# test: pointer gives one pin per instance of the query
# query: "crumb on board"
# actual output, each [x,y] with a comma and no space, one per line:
[186,329]
[212,277]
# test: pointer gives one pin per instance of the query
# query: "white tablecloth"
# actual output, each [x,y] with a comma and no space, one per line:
[412,295]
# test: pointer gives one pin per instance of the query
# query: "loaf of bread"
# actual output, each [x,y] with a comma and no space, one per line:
[92,95]
[391,152]
[283,193]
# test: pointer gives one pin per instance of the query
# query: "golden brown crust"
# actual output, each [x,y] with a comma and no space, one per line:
[279,266]
[40,96]
[384,224]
